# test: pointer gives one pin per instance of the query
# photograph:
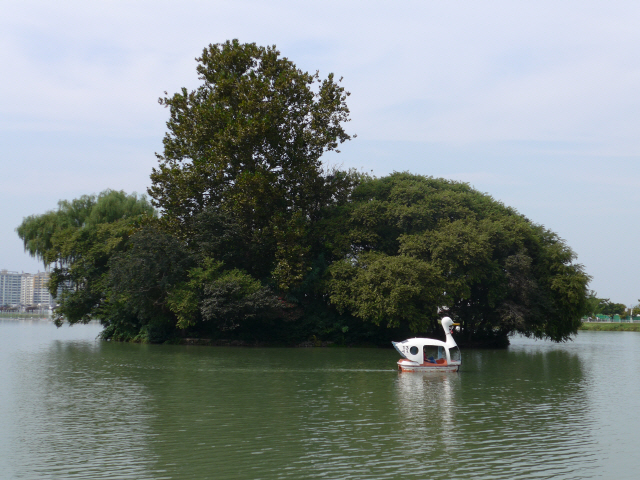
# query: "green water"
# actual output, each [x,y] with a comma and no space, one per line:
[74,407]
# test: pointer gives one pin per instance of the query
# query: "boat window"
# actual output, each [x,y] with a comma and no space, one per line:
[433,353]
[413,350]
[454,353]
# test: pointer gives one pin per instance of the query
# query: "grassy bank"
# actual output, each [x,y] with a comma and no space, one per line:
[611,327]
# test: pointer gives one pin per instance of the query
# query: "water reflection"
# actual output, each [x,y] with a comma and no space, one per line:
[427,406]
[508,414]
[523,414]
[77,408]
[79,417]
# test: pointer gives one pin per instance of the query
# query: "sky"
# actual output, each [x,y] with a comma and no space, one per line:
[536,103]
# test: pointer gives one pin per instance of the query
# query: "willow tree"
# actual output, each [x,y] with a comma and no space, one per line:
[78,240]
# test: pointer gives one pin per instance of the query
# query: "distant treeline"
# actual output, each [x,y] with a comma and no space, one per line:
[256,241]
[604,306]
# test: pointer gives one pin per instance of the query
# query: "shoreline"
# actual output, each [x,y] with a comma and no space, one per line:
[610,327]
[24,316]
[586,326]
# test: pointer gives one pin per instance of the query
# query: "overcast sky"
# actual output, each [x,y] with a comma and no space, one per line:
[535,102]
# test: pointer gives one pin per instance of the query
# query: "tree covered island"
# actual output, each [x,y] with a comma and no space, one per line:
[249,237]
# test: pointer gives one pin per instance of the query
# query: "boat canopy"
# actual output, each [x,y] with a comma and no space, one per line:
[413,348]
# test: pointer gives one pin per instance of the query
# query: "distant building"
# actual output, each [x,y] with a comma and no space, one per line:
[41,295]
[35,290]
[25,290]
[10,288]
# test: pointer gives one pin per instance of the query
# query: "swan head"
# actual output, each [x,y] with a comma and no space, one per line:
[448,325]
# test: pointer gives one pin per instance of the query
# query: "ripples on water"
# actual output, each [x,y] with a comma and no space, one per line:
[74,407]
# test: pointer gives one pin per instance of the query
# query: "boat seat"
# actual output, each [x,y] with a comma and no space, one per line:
[431,361]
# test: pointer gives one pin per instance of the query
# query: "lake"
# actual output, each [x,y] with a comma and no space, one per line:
[72,407]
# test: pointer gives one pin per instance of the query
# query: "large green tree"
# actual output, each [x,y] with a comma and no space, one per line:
[408,247]
[257,240]
[112,261]
[242,153]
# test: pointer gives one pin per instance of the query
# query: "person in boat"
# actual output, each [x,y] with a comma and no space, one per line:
[429,355]
[428,358]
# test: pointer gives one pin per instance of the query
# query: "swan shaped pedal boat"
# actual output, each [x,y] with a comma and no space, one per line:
[429,354]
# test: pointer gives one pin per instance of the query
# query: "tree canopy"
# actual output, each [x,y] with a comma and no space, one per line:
[77,240]
[257,241]
[244,149]
[411,246]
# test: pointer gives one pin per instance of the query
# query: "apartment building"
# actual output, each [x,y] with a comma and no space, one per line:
[25,290]
[35,290]
[41,295]
[10,288]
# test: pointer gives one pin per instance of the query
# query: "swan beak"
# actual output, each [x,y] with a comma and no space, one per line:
[455,324]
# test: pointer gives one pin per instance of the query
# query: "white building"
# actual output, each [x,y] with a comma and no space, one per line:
[10,288]
[35,290]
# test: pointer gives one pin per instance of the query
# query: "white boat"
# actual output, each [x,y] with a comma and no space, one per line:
[428,354]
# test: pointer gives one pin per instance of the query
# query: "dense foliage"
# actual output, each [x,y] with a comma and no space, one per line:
[78,240]
[258,242]
[243,150]
[411,246]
